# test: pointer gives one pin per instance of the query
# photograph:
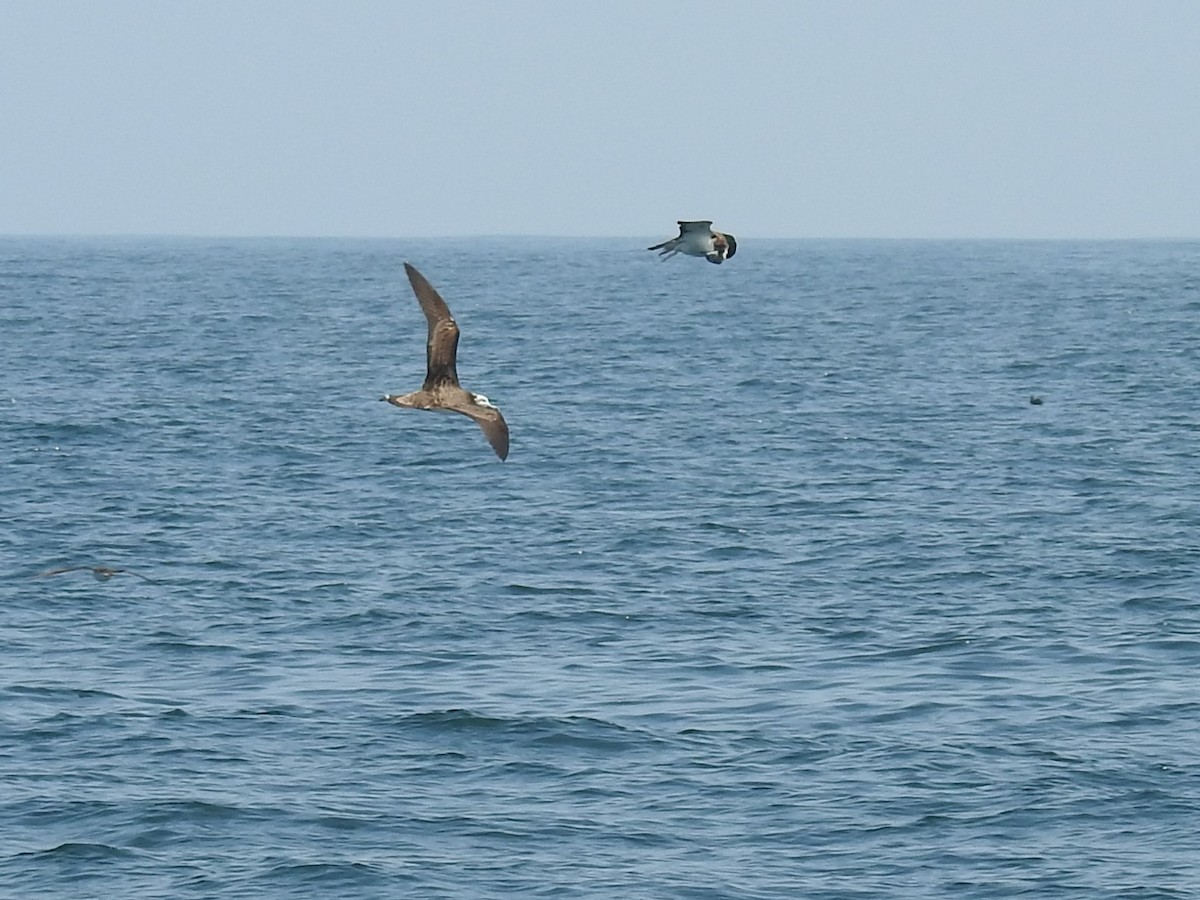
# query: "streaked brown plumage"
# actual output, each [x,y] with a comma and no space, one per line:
[441,391]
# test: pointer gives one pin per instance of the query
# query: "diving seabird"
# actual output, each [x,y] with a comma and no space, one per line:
[441,391]
[698,239]
[101,573]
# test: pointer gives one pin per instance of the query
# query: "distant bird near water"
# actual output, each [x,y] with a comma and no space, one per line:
[101,573]
[698,239]
[1035,400]
[441,391]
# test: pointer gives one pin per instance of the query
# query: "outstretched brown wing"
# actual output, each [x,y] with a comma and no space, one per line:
[134,574]
[60,571]
[441,348]
[495,429]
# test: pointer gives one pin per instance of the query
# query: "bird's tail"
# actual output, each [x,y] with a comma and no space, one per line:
[666,249]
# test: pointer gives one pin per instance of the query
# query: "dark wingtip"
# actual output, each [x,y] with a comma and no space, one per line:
[502,449]
[732,246]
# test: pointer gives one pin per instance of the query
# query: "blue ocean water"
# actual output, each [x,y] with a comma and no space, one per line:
[785,590]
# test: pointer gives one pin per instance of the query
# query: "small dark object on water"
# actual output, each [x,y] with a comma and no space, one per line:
[101,573]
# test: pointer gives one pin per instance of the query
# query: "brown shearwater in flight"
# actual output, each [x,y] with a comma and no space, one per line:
[698,239]
[101,573]
[441,391]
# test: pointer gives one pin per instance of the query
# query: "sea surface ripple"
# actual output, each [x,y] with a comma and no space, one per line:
[785,590]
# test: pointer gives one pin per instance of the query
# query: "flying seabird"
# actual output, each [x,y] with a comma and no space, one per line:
[698,239]
[101,573]
[441,391]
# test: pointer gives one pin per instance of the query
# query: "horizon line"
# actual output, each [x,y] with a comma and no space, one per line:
[494,236]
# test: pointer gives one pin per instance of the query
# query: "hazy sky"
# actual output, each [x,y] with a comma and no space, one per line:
[840,118]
